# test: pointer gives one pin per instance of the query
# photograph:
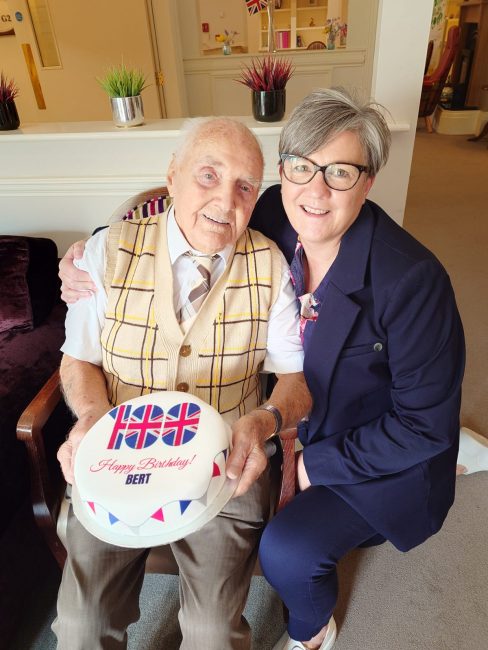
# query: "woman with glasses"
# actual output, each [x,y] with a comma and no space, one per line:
[384,360]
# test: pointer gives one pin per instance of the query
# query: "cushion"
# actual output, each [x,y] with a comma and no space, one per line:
[42,277]
[15,304]
[30,286]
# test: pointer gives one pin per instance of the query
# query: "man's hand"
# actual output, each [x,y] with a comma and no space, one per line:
[67,452]
[85,393]
[248,460]
[75,284]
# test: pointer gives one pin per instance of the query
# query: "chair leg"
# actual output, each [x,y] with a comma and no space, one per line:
[428,124]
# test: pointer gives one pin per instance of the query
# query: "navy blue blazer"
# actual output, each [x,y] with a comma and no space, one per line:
[384,365]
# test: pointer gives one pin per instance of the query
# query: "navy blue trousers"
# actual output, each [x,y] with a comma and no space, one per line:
[299,551]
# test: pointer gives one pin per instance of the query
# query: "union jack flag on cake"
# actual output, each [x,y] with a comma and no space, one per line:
[181,424]
[144,426]
[152,470]
[253,6]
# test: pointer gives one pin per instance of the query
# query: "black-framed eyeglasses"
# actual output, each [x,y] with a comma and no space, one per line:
[339,176]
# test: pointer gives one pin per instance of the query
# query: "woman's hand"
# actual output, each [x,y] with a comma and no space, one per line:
[303,480]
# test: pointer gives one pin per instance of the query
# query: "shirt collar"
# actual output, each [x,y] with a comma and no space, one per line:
[178,245]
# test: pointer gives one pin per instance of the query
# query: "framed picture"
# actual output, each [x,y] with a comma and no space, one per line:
[312,3]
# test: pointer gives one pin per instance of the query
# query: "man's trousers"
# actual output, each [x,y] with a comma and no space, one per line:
[99,593]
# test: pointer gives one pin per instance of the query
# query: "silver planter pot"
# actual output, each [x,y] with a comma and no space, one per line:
[127,111]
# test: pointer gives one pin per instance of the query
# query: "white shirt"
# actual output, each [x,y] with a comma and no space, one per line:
[85,318]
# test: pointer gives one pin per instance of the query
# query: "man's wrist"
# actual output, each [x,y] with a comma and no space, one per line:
[278,419]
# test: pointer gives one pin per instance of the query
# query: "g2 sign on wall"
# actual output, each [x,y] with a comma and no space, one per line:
[6,22]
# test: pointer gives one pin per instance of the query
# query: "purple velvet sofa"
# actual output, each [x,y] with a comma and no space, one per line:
[31,333]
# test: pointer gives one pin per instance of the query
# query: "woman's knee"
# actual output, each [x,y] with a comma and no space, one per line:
[286,557]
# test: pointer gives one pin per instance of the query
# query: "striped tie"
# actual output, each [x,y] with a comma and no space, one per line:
[200,288]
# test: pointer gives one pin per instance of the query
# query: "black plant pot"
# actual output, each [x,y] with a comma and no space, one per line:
[268,105]
[9,118]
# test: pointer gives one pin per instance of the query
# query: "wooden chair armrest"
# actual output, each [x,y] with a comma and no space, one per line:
[289,470]
[45,489]
[36,414]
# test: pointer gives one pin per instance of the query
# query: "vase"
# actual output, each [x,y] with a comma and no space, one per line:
[9,118]
[226,48]
[127,111]
[331,43]
[268,105]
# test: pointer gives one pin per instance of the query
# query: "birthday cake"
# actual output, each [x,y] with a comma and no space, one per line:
[152,470]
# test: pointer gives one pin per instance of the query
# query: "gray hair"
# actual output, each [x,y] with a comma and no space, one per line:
[325,114]
[195,127]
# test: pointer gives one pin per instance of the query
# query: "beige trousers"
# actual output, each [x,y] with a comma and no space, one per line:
[99,593]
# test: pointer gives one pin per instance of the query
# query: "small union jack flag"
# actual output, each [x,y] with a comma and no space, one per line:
[181,424]
[121,416]
[144,426]
[253,6]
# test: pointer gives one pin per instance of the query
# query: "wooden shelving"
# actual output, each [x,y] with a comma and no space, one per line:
[304,23]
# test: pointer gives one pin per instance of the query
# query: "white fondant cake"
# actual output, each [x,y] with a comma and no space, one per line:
[152,470]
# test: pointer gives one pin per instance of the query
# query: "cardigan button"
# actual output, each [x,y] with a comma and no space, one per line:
[185,350]
[377,347]
[182,386]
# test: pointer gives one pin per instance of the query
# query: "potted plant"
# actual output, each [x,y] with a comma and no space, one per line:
[227,40]
[267,78]
[124,86]
[333,28]
[9,118]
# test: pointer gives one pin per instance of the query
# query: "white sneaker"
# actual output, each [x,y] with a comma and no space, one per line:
[285,643]
[473,451]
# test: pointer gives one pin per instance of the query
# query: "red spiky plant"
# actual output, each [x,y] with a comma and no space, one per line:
[8,89]
[268,73]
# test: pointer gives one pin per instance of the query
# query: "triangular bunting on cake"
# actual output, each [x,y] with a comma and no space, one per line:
[158,515]
[112,518]
[184,505]
[216,470]
[92,505]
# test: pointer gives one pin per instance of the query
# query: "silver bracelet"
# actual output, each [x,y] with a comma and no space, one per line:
[276,414]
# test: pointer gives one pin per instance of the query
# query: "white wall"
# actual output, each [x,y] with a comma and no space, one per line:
[230,15]
[63,180]
[401,43]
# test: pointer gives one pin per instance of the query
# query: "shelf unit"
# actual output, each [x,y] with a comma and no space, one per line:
[302,20]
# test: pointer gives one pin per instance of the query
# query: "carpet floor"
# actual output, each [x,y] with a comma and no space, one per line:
[433,598]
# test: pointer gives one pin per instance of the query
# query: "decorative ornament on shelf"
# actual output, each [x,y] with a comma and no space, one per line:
[267,79]
[124,86]
[9,118]
[333,28]
[227,40]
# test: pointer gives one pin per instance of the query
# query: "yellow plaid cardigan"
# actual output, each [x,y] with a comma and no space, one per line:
[220,356]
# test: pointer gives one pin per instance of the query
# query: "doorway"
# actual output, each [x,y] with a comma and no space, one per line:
[89,37]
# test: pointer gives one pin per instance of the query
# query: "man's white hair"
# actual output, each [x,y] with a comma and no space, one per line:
[194,127]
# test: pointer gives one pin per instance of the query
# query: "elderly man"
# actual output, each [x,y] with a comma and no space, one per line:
[182,278]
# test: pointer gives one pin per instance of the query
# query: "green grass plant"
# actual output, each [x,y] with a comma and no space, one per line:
[121,81]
